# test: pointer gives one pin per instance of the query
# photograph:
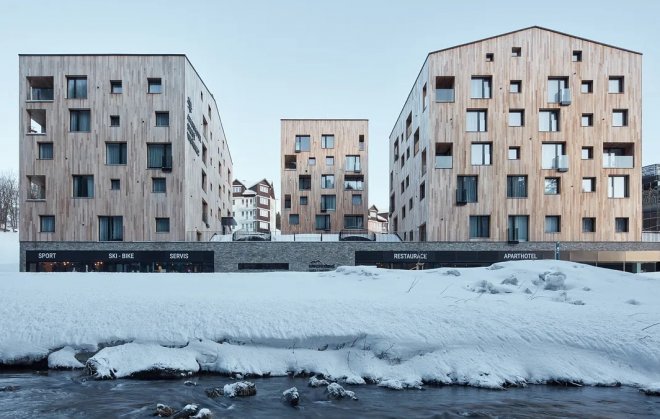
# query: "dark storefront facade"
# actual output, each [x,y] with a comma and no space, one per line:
[119,261]
[443,259]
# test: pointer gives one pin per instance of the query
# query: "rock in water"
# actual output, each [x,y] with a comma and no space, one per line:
[241,388]
[315,382]
[291,397]
[337,392]
[163,411]
[188,411]
[9,388]
[214,392]
[203,414]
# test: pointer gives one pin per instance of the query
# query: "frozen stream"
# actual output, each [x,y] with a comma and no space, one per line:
[67,394]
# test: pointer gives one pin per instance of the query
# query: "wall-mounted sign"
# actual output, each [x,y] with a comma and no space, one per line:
[450,256]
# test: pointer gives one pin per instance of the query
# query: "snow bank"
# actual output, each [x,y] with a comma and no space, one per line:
[65,358]
[9,251]
[509,324]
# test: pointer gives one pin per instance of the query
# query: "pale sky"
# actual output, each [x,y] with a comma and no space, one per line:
[267,60]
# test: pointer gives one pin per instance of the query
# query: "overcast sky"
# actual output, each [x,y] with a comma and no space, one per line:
[267,60]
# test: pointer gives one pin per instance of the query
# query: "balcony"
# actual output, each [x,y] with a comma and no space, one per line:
[443,162]
[444,95]
[617,162]
[40,89]
[560,163]
[565,97]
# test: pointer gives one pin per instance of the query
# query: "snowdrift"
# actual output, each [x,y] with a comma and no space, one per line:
[509,324]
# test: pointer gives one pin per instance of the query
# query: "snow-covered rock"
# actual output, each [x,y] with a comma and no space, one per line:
[652,389]
[241,388]
[291,396]
[315,382]
[337,392]
[188,411]
[397,384]
[163,411]
[203,414]
[65,358]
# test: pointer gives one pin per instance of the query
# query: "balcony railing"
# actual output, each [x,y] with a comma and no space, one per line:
[40,94]
[617,162]
[444,95]
[560,163]
[565,97]
[443,162]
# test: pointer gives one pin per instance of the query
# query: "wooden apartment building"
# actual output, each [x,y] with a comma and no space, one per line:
[533,135]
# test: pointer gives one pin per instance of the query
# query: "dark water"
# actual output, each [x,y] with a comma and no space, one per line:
[65,394]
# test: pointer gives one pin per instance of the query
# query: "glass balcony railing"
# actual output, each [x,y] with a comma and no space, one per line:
[443,162]
[617,162]
[444,95]
[39,93]
[560,163]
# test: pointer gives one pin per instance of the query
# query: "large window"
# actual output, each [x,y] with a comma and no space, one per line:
[518,228]
[479,226]
[47,223]
[159,156]
[516,186]
[355,183]
[45,151]
[466,189]
[303,143]
[617,187]
[83,186]
[322,222]
[79,120]
[328,202]
[549,120]
[115,153]
[304,182]
[476,120]
[37,187]
[553,156]
[552,224]
[555,87]
[353,164]
[162,225]
[353,221]
[481,87]
[327,181]
[327,141]
[76,87]
[41,88]
[482,154]
[111,228]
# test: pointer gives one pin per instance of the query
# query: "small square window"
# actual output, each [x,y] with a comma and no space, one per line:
[577,56]
[516,52]
[621,224]
[587,120]
[162,119]
[158,185]
[615,85]
[47,223]
[588,225]
[516,118]
[515,86]
[294,219]
[552,224]
[303,200]
[551,186]
[329,160]
[312,161]
[514,153]
[587,153]
[154,86]
[162,225]
[45,151]
[588,184]
[114,120]
[116,87]
[115,184]
[490,57]
[620,118]
[587,86]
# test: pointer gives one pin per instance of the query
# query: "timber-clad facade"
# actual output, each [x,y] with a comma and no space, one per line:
[120,148]
[533,135]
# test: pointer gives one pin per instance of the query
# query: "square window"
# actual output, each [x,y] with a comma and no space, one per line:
[83,186]
[329,160]
[481,154]
[116,87]
[621,224]
[552,224]
[615,85]
[114,120]
[514,153]
[516,186]
[79,120]
[587,153]
[551,186]
[111,228]
[516,118]
[490,57]
[327,141]
[162,225]
[304,182]
[620,118]
[322,222]
[577,56]
[356,199]
[162,119]
[588,225]
[158,185]
[76,87]
[37,187]
[516,52]
[587,86]
[481,87]
[588,184]
[154,86]
[115,184]
[294,219]
[159,156]
[328,203]
[45,151]
[549,120]
[327,181]
[115,153]
[515,86]
[303,200]
[587,120]
[303,143]
[311,161]
[479,226]
[476,120]
[47,223]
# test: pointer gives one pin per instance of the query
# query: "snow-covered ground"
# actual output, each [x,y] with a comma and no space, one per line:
[512,323]
[9,249]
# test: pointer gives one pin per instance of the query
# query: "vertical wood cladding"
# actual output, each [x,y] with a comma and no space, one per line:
[77,153]
[543,54]
[347,134]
